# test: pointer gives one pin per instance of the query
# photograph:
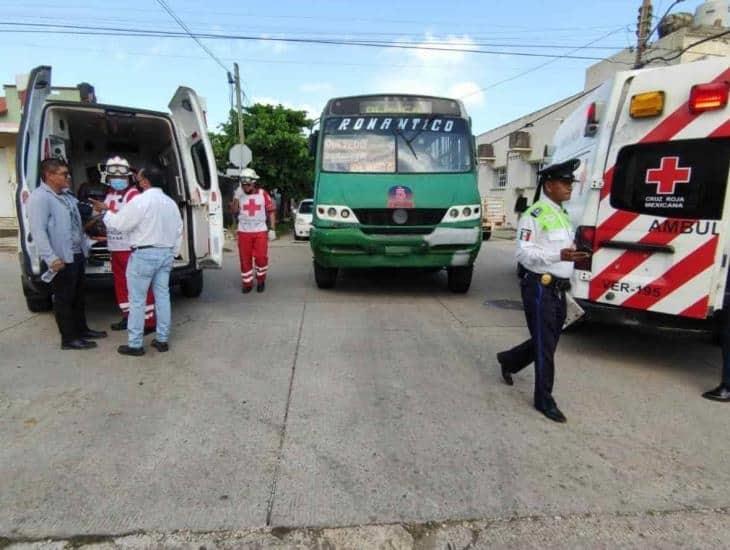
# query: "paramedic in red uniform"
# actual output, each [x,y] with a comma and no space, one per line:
[253,206]
[118,176]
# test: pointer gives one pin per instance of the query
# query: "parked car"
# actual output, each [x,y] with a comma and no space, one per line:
[303,220]
[85,134]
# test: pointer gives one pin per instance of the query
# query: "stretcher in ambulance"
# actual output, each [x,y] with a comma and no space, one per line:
[85,135]
[650,202]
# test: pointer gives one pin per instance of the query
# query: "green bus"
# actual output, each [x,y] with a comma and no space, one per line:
[395,186]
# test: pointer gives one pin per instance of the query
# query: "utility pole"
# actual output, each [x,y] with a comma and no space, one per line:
[237,82]
[643,28]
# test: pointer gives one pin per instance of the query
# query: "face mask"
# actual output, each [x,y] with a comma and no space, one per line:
[118,184]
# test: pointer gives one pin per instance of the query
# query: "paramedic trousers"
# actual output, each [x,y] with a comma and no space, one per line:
[726,346]
[149,267]
[253,247]
[68,300]
[120,259]
[545,311]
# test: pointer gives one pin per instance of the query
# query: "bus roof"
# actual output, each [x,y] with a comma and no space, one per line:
[396,104]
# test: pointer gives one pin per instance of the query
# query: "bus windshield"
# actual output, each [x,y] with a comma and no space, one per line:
[396,144]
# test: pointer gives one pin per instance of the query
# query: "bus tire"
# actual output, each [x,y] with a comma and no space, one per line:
[325,277]
[460,278]
[486,235]
[192,287]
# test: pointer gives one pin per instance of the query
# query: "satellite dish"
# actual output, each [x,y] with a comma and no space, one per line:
[240,155]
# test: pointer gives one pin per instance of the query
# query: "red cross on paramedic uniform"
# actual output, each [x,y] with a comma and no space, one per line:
[251,207]
[668,175]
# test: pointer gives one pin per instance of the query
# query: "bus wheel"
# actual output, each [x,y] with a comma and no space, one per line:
[460,278]
[325,277]
[486,235]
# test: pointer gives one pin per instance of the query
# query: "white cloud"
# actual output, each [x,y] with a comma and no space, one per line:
[443,70]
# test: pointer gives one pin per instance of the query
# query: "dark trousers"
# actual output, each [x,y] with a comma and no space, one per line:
[726,346]
[68,299]
[545,311]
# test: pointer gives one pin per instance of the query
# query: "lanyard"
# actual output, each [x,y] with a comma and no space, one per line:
[72,212]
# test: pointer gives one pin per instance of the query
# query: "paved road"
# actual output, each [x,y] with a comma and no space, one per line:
[378,402]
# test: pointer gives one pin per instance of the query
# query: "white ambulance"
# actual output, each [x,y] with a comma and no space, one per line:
[85,135]
[651,202]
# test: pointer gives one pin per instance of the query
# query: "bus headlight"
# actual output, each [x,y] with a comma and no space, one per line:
[462,213]
[336,213]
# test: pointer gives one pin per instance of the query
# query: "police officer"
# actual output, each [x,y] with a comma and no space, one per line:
[545,252]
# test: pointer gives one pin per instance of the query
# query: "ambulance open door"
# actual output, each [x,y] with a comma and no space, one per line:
[201,175]
[28,157]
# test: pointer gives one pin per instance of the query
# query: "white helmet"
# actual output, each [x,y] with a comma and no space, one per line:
[115,166]
[249,174]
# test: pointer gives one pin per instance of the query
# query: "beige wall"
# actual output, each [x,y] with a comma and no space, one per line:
[7,175]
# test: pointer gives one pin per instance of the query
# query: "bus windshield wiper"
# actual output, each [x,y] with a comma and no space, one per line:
[413,151]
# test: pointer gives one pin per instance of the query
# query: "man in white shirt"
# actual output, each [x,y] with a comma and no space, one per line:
[546,253]
[153,225]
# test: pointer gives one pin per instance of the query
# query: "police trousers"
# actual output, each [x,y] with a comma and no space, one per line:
[545,311]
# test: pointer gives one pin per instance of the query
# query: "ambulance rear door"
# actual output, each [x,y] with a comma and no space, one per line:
[201,177]
[28,157]
[658,242]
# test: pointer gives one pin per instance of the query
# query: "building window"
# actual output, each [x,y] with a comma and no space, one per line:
[501,177]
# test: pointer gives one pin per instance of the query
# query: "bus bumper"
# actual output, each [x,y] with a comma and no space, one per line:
[352,248]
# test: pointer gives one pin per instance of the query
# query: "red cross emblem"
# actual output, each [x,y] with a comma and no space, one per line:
[668,175]
[251,207]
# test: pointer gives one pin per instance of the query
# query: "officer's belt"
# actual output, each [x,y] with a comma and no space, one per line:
[548,280]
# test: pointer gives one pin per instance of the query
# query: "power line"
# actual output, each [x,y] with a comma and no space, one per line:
[116,31]
[189,32]
[546,114]
[537,67]
[683,50]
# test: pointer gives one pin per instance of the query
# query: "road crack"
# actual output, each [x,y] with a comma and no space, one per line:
[282,435]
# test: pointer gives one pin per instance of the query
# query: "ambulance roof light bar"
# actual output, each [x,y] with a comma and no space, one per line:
[708,97]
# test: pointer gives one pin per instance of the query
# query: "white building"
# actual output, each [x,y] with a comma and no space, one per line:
[511,155]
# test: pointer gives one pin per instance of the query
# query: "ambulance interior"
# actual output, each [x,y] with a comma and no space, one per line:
[87,137]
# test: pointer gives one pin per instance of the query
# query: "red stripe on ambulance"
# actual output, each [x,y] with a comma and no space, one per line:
[680,273]
[630,260]
[698,310]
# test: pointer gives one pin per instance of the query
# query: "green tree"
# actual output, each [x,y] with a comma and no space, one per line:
[279,146]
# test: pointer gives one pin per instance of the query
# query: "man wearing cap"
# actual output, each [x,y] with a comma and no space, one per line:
[546,253]
[253,206]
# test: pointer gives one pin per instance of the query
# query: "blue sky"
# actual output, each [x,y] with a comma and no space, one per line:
[145,71]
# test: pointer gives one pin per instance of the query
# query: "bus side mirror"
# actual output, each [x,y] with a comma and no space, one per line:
[313,138]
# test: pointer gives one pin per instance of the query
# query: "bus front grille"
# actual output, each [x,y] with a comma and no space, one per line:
[386,216]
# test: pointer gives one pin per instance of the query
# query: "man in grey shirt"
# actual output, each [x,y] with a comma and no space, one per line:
[55,225]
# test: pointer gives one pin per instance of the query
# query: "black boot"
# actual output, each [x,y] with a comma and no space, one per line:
[720,393]
[260,287]
[506,372]
[121,325]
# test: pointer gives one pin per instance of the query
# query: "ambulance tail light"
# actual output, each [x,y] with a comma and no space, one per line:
[591,120]
[648,104]
[708,97]
[585,237]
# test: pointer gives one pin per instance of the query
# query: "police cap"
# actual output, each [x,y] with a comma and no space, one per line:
[562,171]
